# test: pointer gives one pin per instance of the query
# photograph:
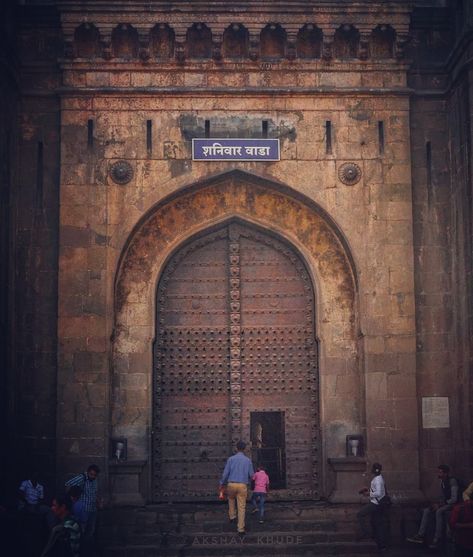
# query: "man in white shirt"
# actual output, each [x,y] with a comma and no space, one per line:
[31,494]
[374,509]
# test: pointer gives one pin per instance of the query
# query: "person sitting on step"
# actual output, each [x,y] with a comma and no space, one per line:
[449,497]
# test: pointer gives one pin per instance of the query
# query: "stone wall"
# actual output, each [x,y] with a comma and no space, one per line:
[459,120]
[440,130]
[8,140]
[34,207]
[374,216]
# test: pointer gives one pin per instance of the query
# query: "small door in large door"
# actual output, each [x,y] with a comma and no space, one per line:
[268,445]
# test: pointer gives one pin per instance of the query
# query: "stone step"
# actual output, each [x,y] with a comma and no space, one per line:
[143,525]
[261,536]
[223,525]
[271,525]
[242,548]
[202,529]
[142,517]
[275,550]
[201,512]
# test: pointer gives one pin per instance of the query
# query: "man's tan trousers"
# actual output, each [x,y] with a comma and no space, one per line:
[239,492]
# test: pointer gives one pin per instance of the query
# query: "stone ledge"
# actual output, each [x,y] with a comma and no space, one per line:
[348,478]
[127,482]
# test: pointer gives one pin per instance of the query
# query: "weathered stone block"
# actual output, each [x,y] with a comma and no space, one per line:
[376,385]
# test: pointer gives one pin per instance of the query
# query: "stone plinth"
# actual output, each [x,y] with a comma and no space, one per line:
[127,485]
[348,478]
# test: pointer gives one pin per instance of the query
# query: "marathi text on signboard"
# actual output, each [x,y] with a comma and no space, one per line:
[235,149]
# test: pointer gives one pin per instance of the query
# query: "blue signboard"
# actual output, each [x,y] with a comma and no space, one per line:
[235,149]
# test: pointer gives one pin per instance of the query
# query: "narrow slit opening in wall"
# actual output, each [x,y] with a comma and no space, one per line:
[328,137]
[90,133]
[39,173]
[428,160]
[207,128]
[5,191]
[149,141]
[264,129]
[381,137]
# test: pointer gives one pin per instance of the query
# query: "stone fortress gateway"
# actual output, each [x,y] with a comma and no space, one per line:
[292,302]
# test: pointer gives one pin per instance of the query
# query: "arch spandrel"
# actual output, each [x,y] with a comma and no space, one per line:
[170,224]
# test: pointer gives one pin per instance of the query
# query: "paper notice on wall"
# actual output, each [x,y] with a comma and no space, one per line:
[435,412]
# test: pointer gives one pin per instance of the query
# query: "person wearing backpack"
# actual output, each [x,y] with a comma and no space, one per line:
[375,509]
[450,495]
[65,537]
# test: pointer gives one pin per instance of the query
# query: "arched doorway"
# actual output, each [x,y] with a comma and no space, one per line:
[235,357]
[299,226]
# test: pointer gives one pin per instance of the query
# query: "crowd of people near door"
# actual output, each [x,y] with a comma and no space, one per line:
[63,527]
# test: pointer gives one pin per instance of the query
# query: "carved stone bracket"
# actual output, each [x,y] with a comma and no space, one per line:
[291,52]
[69,49]
[327,51]
[364,51]
[400,46]
[217,51]
[107,49]
[254,47]
[180,52]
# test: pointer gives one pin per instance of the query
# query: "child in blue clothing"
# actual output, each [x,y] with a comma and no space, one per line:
[260,491]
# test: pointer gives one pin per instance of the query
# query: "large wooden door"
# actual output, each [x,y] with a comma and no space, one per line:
[235,335]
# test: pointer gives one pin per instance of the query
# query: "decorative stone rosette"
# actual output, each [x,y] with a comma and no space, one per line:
[121,172]
[349,173]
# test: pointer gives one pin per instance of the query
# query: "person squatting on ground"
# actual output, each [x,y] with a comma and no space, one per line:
[374,510]
[450,496]
[236,476]
[65,537]
[88,482]
[461,525]
[260,490]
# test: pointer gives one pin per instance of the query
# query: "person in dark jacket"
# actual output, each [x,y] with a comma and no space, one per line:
[449,497]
